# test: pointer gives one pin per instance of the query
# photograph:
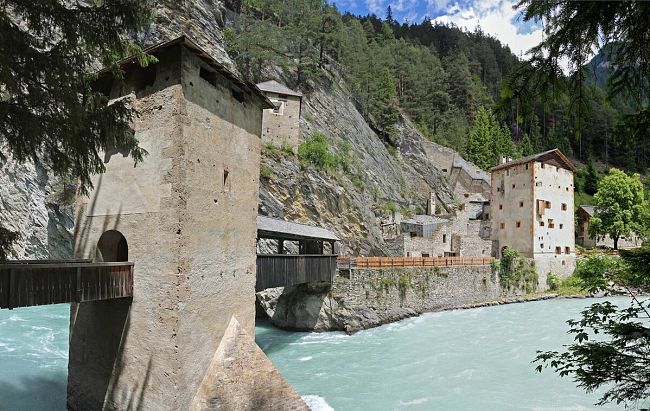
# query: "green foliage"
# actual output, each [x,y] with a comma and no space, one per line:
[571,285]
[49,111]
[517,272]
[617,361]
[637,266]
[315,151]
[596,271]
[284,150]
[553,281]
[266,172]
[620,206]
[488,141]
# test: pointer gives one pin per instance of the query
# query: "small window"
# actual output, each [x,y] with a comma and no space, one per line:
[526,166]
[425,254]
[558,250]
[538,184]
[564,207]
[551,223]
[542,165]
[503,225]
[521,204]
[513,186]
[567,250]
[278,108]
[567,189]
[542,245]
[209,76]
[226,181]
[561,226]
[518,224]
[541,224]
[548,204]
[500,206]
[444,238]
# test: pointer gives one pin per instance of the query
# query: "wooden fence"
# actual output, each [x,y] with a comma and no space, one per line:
[285,269]
[29,283]
[393,262]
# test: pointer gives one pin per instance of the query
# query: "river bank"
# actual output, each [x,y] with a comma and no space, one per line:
[368,298]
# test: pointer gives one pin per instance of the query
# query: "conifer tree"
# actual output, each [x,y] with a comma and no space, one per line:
[479,148]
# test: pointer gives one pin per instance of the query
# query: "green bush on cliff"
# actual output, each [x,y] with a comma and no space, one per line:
[553,282]
[315,151]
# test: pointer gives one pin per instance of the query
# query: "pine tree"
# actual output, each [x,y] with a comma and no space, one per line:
[479,148]
[526,146]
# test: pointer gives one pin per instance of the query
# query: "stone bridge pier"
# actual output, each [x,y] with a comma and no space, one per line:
[186,218]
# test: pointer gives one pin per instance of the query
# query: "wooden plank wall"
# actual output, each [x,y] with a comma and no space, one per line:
[29,284]
[394,262]
[284,270]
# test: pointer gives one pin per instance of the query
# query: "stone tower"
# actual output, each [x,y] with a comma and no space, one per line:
[186,217]
[281,124]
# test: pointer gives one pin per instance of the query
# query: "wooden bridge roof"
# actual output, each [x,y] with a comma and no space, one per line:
[275,228]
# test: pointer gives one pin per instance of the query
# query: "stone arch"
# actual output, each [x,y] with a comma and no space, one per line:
[112,247]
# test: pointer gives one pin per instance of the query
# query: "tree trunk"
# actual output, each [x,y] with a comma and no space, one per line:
[616,243]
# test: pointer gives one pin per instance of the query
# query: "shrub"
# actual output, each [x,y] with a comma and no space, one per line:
[553,281]
[315,151]
[266,172]
[516,272]
[596,271]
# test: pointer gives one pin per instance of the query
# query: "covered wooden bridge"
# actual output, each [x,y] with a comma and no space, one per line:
[41,282]
[311,264]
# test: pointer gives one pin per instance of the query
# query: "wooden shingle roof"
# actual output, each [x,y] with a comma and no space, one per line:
[268,227]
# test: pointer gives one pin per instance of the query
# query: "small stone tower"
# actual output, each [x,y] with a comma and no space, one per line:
[281,124]
[186,217]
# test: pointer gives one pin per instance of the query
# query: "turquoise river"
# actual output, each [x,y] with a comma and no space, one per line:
[478,359]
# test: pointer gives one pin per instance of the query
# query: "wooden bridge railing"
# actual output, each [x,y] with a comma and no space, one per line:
[287,269]
[29,283]
[393,262]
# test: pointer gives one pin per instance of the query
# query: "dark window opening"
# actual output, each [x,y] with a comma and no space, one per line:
[238,95]
[112,247]
[226,183]
[444,238]
[145,77]
[209,76]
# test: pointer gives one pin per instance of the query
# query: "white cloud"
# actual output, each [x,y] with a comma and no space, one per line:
[376,6]
[496,18]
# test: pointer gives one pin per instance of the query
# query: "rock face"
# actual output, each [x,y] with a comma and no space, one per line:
[348,202]
[37,205]
[372,297]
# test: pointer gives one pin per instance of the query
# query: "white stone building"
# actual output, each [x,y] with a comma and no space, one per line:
[531,210]
[281,124]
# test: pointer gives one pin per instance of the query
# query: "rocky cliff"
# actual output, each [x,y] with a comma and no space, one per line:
[376,177]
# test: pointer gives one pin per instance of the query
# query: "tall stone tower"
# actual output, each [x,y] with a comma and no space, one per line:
[186,216]
[281,124]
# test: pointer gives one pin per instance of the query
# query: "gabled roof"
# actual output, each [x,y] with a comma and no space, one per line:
[424,219]
[474,171]
[273,86]
[268,227]
[194,48]
[591,210]
[545,156]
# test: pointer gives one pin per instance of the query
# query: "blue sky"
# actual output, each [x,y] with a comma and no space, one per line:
[495,17]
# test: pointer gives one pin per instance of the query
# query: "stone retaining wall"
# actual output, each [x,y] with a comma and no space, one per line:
[417,288]
[366,298]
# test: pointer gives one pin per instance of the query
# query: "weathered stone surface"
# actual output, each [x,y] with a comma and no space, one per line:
[241,377]
[371,297]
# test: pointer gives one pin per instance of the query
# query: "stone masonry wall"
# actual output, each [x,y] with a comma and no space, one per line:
[372,297]
[419,288]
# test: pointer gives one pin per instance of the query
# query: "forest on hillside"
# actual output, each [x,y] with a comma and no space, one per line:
[458,87]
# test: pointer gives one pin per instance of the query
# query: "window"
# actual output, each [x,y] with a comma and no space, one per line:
[226,181]
[542,165]
[521,204]
[567,250]
[503,225]
[548,204]
[542,245]
[209,76]
[444,238]
[561,226]
[564,207]
[551,223]
[558,250]
[513,186]
[500,206]
[518,224]
[538,184]
[541,224]
[278,108]
[526,166]
[425,254]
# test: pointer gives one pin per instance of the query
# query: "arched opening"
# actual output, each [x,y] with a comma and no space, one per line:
[112,247]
